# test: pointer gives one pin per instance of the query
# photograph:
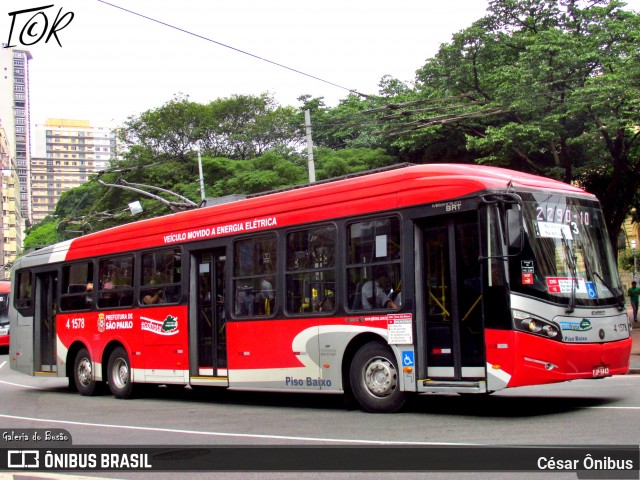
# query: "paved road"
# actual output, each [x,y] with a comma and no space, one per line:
[576,413]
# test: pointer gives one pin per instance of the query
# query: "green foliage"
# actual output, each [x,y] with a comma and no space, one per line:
[554,86]
[625,260]
[546,86]
[45,233]
[330,163]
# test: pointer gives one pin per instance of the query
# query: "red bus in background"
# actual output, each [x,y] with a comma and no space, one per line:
[5,288]
[419,279]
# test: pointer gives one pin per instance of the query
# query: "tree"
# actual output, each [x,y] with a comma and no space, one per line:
[245,126]
[550,87]
[334,163]
[45,233]
[169,131]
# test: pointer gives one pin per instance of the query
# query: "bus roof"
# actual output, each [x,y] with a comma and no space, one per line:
[381,191]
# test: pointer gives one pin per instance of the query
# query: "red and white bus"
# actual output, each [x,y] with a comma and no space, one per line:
[420,279]
[5,288]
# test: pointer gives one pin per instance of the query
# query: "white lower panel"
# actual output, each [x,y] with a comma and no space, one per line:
[180,377]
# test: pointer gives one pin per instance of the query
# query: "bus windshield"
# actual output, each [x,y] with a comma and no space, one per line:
[567,257]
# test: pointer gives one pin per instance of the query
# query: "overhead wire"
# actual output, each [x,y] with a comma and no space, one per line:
[183,30]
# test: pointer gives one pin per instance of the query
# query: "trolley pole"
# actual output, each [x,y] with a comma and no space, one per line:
[312,167]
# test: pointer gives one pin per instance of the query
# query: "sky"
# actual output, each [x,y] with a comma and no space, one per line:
[112,63]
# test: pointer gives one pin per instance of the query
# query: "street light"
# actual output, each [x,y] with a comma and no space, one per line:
[633,244]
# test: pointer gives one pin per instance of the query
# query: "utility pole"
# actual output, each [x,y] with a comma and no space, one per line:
[200,171]
[312,167]
[634,244]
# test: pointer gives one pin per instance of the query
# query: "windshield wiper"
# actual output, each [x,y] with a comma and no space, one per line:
[617,296]
[571,263]
[591,274]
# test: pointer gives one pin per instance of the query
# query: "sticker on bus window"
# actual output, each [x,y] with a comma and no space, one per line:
[526,268]
[566,285]
[553,230]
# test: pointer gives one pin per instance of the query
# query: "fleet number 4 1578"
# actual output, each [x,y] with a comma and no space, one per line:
[75,323]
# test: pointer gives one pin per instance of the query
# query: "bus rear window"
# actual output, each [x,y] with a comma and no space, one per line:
[24,291]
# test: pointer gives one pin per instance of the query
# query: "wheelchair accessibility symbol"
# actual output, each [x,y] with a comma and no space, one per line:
[407,359]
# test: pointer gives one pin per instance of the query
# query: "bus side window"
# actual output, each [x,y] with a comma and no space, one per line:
[160,282]
[374,277]
[254,274]
[310,276]
[116,282]
[77,287]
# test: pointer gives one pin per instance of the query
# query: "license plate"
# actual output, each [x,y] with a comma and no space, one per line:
[601,371]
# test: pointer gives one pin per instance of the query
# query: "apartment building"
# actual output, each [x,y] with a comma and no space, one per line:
[68,152]
[12,234]
[15,118]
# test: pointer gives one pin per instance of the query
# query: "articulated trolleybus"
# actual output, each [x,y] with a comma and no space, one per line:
[418,279]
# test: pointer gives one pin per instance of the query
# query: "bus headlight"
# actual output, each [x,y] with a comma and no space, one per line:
[531,325]
[550,331]
[527,322]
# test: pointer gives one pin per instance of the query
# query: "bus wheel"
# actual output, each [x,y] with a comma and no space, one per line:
[83,374]
[119,374]
[374,379]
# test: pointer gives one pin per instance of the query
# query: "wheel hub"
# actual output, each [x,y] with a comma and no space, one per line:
[84,371]
[381,377]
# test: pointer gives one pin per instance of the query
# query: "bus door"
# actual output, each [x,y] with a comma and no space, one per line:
[450,299]
[211,341]
[45,321]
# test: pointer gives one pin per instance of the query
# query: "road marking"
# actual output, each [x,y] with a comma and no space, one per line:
[3,364]
[23,386]
[615,408]
[45,476]
[225,434]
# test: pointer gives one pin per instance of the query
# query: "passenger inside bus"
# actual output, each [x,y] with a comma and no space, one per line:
[374,292]
[153,297]
[265,296]
[89,296]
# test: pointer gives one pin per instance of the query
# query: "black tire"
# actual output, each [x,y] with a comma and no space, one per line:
[119,374]
[375,379]
[83,377]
